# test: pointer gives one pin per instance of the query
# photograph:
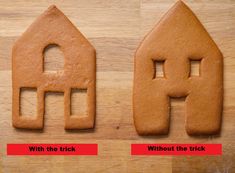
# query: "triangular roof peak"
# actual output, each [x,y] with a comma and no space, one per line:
[52,22]
[179,26]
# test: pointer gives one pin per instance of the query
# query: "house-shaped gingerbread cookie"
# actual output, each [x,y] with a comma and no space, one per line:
[53,28]
[175,42]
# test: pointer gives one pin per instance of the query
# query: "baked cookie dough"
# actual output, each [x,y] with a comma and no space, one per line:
[53,27]
[176,40]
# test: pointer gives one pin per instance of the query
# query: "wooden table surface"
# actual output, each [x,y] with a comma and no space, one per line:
[115,28]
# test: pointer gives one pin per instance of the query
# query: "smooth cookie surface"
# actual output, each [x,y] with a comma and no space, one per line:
[176,40]
[53,27]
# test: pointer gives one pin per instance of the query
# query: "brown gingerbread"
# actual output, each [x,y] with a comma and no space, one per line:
[53,27]
[176,40]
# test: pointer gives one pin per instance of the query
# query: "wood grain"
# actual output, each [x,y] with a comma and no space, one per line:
[115,28]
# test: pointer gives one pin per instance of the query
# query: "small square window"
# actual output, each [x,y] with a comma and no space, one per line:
[158,69]
[195,67]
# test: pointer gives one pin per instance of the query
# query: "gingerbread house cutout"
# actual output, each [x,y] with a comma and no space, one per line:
[53,27]
[175,41]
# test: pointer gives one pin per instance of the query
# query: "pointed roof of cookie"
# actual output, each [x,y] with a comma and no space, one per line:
[52,18]
[180,28]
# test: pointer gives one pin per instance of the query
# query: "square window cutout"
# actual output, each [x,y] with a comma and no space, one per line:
[158,69]
[195,66]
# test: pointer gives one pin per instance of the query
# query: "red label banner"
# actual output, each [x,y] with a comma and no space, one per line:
[52,149]
[176,149]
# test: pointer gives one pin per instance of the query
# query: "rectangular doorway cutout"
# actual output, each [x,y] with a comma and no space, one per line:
[54,109]
[177,116]
[79,102]
[28,102]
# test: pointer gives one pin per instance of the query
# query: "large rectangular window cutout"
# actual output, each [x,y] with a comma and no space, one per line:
[158,69]
[28,102]
[79,102]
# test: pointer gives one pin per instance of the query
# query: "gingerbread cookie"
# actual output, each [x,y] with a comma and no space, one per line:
[175,41]
[53,28]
